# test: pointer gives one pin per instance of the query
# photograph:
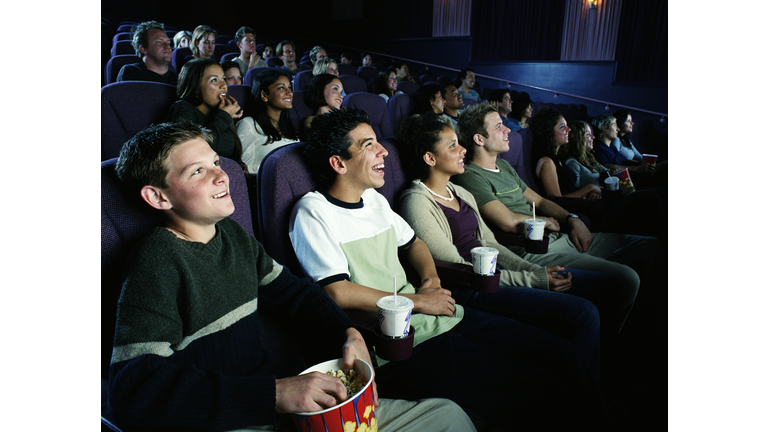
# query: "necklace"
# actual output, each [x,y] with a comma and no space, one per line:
[450,194]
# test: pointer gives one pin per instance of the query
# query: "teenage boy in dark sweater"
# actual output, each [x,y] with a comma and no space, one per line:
[187,351]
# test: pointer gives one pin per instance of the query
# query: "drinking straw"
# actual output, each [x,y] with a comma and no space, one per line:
[394,283]
[534,210]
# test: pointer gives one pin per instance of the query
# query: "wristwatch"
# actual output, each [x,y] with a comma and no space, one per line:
[571,215]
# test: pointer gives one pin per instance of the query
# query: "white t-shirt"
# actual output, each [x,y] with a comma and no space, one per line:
[253,140]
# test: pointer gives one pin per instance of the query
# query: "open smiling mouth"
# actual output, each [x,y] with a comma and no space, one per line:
[220,195]
[379,168]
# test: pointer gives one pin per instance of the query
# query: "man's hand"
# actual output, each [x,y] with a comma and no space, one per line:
[558,282]
[579,234]
[314,391]
[255,57]
[552,223]
[355,348]
[433,300]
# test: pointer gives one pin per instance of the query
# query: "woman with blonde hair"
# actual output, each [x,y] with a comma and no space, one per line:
[326,65]
[203,42]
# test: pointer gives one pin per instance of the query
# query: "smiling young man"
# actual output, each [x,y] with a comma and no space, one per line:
[467,78]
[454,103]
[187,352]
[153,46]
[505,202]
[348,239]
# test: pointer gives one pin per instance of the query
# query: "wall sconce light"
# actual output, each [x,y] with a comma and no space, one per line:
[592,4]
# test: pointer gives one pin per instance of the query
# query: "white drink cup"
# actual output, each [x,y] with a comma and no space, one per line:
[612,183]
[484,260]
[395,317]
[534,229]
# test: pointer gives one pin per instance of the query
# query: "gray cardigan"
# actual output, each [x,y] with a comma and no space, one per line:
[427,219]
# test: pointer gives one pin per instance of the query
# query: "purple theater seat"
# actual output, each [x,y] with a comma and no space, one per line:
[300,110]
[126,27]
[347,69]
[121,37]
[128,107]
[229,56]
[177,58]
[407,87]
[274,61]
[122,47]
[114,64]
[301,80]
[368,73]
[242,93]
[353,84]
[251,73]
[376,108]
[221,49]
[283,179]
[399,106]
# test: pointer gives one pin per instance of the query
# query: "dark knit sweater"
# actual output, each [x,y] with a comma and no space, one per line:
[187,350]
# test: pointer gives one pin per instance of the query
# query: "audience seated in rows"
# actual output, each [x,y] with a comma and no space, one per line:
[187,349]
[482,134]
[446,218]
[203,99]
[154,48]
[183,38]
[385,84]
[248,58]
[606,132]
[347,238]
[467,79]
[642,212]
[270,127]
[454,102]
[286,51]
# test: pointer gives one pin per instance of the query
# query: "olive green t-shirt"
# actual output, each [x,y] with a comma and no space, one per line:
[504,185]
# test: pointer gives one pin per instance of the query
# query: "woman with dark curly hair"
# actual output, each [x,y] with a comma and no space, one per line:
[203,99]
[550,134]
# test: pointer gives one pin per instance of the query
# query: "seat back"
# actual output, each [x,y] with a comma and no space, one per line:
[122,47]
[122,36]
[177,58]
[228,56]
[407,87]
[347,69]
[376,108]
[274,61]
[353,84]
[368,73]
[301,80]
[251,73]
[128,107]
[300,110]
[114,65]
[242,93]
[523,168]
[399,106]
[284,178]
[220,49]
[125,220]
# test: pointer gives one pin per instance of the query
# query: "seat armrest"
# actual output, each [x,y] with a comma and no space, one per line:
[453,274]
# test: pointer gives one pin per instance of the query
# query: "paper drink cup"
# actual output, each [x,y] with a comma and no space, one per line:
[395,317]
[625,181]
[534,229]
[612,183]
[649,159]
[355,413]
[484,260]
